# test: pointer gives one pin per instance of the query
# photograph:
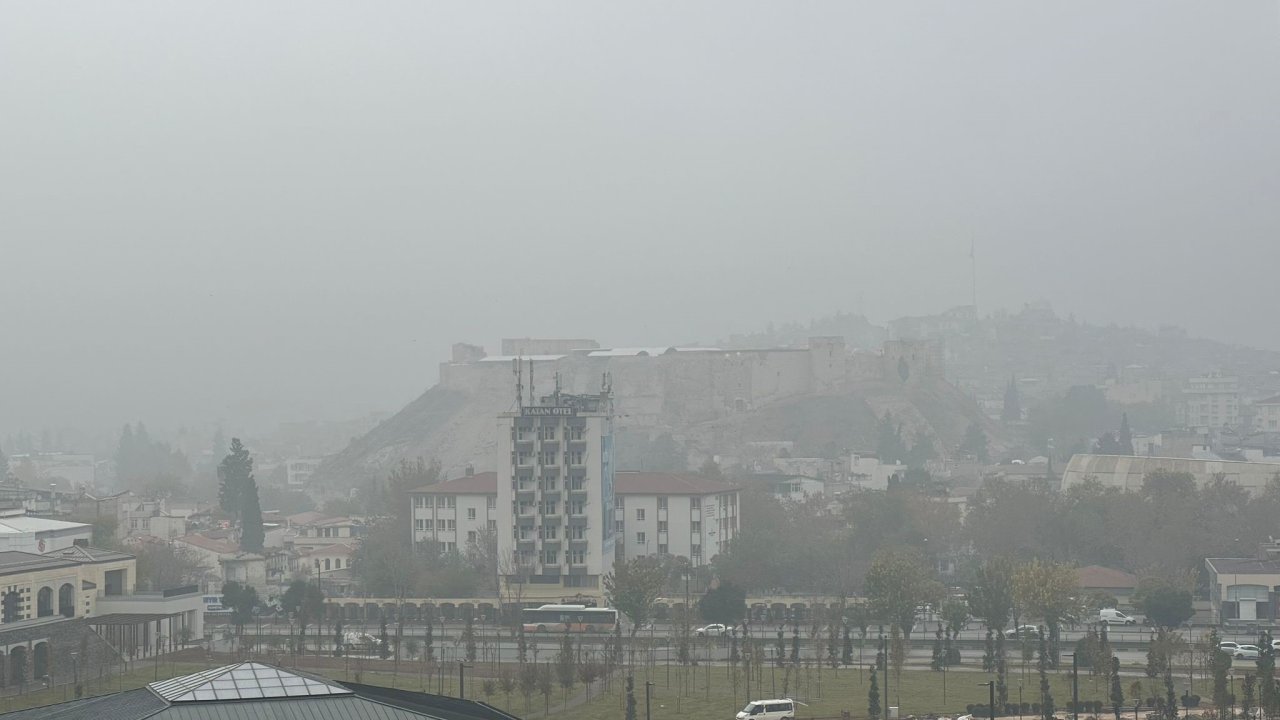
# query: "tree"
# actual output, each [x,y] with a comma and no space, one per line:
[725,603]
[633,587]
[1042,667]
[566,666]
[631,698]
[1012,411]
[384,641]
[162,566]
[955,613]
[305,602]
[469,637]
[1247,696]
[1125,436]
[1117,692]
[1266,674]
[242,599]
[974,443]
[233,477]
[1219,665]
[1048,590]
[1166,607]
[899,581]
[873,696]
[252,534]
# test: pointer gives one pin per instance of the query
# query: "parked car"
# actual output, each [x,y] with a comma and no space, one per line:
[715,630]
[1111,616]
[1228,647]
[1247,652]
[1026,631]
[784,709]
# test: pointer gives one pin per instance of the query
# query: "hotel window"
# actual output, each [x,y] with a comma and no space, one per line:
[640,513]
[639,538]
[577,557]
[662,503]
[695,503]
[471,513]
[492,502]
[550,557]
[662,526]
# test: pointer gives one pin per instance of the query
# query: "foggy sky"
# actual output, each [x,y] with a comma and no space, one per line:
[262,212]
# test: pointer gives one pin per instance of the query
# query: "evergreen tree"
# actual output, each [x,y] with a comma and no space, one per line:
[428,643]
[781,651]
[1247,696]
[975,443]
[1012,411]
[873,696]
[384,642]
[338,637]
[1002,672]
[846,654]
[1170,698]
[631,698]
[252,534]
[1125,437]
[938,657]
[989,653]
[469,637]
[1042,667]
[566,665]
[795,643]
[1266,675]
[1117,691]
[1219,665]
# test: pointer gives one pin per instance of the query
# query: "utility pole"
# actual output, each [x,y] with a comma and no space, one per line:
[884,659]
[1075,688]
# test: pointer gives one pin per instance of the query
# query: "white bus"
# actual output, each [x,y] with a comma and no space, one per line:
[568,618]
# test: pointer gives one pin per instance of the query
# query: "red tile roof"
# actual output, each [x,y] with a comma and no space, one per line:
[1097,576]
[485,483]
[210,544]
[630,482]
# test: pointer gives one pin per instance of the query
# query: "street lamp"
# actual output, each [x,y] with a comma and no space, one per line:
[991,693]
[462,675]
[647,686]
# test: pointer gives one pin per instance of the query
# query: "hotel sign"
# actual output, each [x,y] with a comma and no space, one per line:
[548,411]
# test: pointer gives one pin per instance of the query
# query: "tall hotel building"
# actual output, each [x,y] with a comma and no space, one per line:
[555,502]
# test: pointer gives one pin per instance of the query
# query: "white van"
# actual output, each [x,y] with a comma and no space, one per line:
[1111,616]
[769,710]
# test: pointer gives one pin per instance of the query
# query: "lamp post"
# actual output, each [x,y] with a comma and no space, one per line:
[647,686]
[462,677]
[159,644]
[991,693]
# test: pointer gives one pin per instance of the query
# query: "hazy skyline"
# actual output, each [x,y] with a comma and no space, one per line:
[264,213]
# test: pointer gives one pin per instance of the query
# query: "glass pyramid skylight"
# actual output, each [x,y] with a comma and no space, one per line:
[243,681]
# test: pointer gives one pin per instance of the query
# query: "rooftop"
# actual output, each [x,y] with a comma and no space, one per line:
[257,690]
[632,482]
[205,542]
[1244,566]
[28,524]
[17,562]
[1098,576]
[88,554]
[485,483]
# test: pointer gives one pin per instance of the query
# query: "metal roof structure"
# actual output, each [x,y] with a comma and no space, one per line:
[256,691]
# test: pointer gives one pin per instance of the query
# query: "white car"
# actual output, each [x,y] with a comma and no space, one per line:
[782,709]
[1246,652]
[715,630]
[1026,631]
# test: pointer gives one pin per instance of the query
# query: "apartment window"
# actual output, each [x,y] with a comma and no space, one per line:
[417,501]
[550,557]
[695,527]
[662,549]
[452,501]
[549,507]
[453,525]
[695,551]
[618,526]
[493,525]
[577,557]
[548,457]
[640,513]
[695,503]
[419,524]
[576,482]
[662,503]
[428,524]
[574,457]
[547,532]
[617,502]
[492,502]
[337,563]
[577,508]
[662,526]
[639,538]
[471,513]
[450,547]
[471,536]
[577,532]
[440,501]
[549,483]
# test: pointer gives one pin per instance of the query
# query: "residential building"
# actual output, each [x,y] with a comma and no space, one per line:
[1266,415]
[681,514]
[310,530]
[1211,402]
[555,495]
[456,512]
[298,472]
[257,690]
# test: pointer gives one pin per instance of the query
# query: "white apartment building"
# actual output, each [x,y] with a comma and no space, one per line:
[682,514]
[456,512]
[555,496]
[1212,402]
[1267,415]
